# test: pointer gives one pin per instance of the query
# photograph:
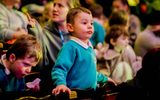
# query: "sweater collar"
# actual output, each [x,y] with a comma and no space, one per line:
[84,45]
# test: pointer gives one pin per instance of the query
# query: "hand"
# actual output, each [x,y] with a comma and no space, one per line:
[100,50]
[137,65]
[31,21]
[19,32]
[61,88]
[112,81]
[34,85]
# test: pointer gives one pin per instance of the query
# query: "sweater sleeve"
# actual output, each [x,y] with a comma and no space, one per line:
[5,32]
[62,65]
[101,78]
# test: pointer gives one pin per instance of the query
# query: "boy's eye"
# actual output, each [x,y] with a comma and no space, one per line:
[91,23]
[26,64]
[84,22]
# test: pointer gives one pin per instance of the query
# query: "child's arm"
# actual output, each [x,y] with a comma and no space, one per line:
[62,66]
[61,88]
[101,78]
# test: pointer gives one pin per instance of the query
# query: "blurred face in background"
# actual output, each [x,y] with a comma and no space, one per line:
[60,10]
[121,43]
[118,5]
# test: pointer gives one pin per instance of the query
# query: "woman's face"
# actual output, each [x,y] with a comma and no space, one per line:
[60,10]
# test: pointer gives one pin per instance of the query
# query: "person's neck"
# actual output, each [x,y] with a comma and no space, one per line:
[86,41]
[117,49]
[62,27]
[8,4]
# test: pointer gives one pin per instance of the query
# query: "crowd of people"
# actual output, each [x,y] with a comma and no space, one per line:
[52,47]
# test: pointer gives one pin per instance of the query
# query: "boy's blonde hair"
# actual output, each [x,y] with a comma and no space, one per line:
[74,11]
[25,46]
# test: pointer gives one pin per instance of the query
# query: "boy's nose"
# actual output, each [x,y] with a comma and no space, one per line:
[28,70]
[90,26]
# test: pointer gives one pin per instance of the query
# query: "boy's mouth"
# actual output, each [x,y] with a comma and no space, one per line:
[90,32]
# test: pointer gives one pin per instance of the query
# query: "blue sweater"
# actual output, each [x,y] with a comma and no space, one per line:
[9,82]
[75,67]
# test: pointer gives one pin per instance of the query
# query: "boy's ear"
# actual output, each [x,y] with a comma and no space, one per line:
[12,57]
[69,27]
[112,42]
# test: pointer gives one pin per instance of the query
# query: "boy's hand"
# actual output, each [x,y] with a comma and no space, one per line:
[34,85]
[61,88]
[112,81]
[100,50]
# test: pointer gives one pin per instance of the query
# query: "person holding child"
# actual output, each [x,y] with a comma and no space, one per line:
[75,66]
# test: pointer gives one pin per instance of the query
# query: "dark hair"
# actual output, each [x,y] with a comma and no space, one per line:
[153,18]
[152,59]
[118,18]
[114,33]
[149,74]
[25,45]
[97,10]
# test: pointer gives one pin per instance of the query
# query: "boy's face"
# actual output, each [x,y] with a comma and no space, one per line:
[22,67]
[121,42]
[82,27]
[60,10]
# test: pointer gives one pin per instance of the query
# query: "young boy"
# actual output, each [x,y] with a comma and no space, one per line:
[75,66]
[17,63]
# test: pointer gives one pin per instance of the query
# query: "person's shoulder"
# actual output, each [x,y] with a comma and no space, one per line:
[1,67]
[70,43]
[2,72]
[2,9]
[96,23]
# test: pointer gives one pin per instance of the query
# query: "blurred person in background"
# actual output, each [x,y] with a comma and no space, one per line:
[134,21]
[99,31]
[145,84]
[150,37]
